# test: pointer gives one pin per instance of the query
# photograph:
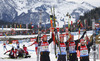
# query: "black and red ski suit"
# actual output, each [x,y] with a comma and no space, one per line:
[72,47]
[44,50]
[84,51]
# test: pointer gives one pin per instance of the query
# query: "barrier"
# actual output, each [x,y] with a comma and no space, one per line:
[99,51]
[31,50]
[32,39]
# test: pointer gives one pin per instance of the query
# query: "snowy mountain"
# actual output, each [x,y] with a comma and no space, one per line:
[26,11]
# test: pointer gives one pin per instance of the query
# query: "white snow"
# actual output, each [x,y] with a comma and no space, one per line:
[93,2]
[32,53]
[61,9]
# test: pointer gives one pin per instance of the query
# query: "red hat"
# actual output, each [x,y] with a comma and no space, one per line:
[61,36]
[44,36]
[82,40]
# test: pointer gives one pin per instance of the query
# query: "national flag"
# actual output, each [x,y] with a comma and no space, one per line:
[81,24]
[2,27]
[71,22]
[6,26]
[66,30]
[10,26]
[68,24]
[15,26]
[32,26]
[57,29]
[26,26]
[20,26]
[79,30]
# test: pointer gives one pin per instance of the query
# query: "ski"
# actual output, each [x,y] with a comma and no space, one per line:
[57,38]
[94,45]
[14,58]
[51,22]
[54,28]
[68,32]
[39,36]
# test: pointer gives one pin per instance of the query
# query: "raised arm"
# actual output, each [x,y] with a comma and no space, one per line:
[78,40]
[91,43]
[51,39]
[83,35]
[7,51]
[32,43]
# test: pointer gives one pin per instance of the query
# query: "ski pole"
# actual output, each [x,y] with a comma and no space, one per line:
[94,47]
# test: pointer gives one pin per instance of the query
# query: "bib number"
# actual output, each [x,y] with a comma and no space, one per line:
[72,48]
[84,52]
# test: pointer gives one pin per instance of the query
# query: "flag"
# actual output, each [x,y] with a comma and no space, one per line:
[85,22]
[15,26]
[38,25]
[10,26]
[87,39]
[6,26]
[32,26]
[68,23]
[64,23]
[20,26]
[79,31]
[58,24]
[66,30]
[81,24]
[71,22]
[26,26]
[2,27]
[57,29]
[51,23]
[78,21]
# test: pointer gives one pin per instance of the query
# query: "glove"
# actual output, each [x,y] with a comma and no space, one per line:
[41,53]
[84,33]
[69,29]
[56,56]
[39,43]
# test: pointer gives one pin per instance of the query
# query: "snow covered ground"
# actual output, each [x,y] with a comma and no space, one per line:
[31,51]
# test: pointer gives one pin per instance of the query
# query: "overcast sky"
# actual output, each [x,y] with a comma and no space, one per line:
[93,2]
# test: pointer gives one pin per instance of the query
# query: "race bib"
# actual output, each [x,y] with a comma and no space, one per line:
[71,48]
[44,48]
[63,49]
[84,52]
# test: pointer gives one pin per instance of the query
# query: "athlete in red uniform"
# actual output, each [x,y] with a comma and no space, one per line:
[4,46]
[44,49]
[36,46]
[12,53]
[84,50]
[25,50]
[62,56]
